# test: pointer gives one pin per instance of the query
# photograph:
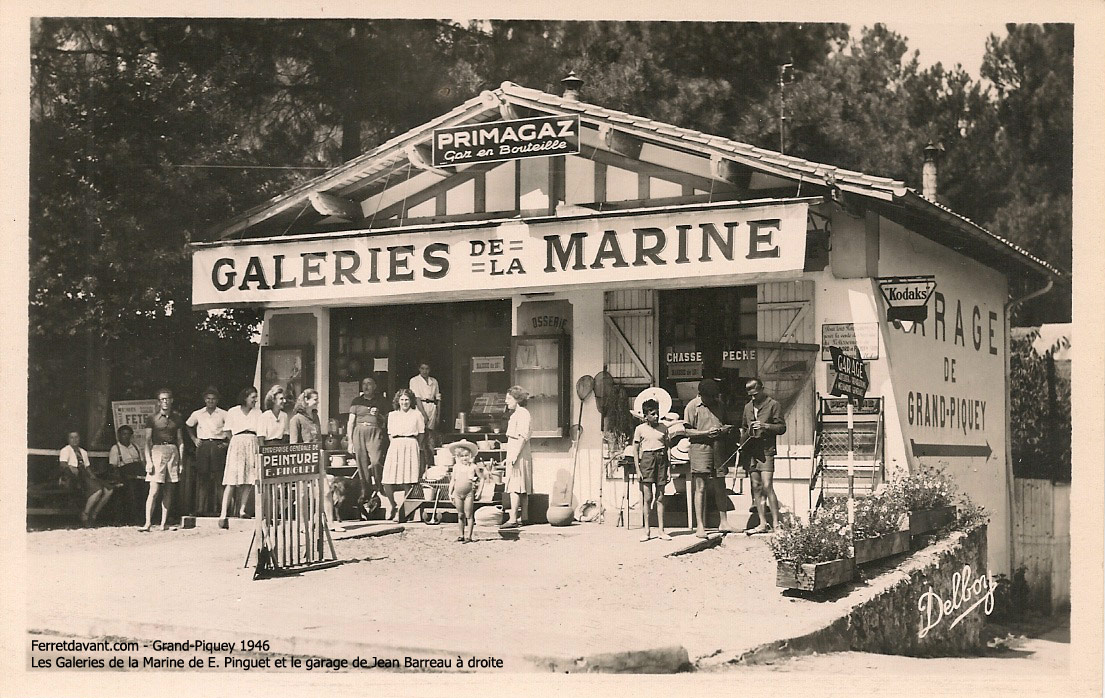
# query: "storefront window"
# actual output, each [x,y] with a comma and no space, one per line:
[466,344]
[707,333]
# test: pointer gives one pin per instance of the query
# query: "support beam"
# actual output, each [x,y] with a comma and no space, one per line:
[621,143]
[337,206]
[730,171]
[420,157]
[506,110]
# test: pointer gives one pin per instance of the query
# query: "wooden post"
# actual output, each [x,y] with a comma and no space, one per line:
[851,478]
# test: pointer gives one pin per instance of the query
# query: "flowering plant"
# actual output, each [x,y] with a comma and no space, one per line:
[927,489]
[823,539]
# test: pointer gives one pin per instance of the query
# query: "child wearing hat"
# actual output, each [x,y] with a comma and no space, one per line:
[462,486]
[650,450]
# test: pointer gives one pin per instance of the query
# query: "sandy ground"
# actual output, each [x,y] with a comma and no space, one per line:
[554,592]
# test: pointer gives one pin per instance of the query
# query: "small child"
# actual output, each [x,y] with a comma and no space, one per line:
[462,486]
[650,451]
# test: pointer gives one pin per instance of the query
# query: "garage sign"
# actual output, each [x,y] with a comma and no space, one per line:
[851,375]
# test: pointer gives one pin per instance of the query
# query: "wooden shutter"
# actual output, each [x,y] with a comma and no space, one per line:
[629,346]
[787,354]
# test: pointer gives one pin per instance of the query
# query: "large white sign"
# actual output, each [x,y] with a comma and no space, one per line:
[611,249]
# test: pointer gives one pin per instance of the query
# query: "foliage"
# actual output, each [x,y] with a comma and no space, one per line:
[146,132]
[885,511]
[929,488]
[823,539]
[1012,597]
[1040,414]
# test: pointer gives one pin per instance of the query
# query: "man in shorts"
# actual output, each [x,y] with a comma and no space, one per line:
[650,451]
[705,429]
[761,421]
[164,454]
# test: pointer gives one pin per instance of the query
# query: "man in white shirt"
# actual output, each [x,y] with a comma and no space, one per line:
[427,392]
[206,426]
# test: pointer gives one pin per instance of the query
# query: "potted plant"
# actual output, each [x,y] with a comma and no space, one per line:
[878,530]
[929,498]
[813,556]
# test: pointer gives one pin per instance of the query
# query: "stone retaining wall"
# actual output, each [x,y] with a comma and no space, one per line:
[894,621]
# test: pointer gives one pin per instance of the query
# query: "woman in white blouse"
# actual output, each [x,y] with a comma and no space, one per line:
[274,421]
[519,461]
[401,468]
[243,424]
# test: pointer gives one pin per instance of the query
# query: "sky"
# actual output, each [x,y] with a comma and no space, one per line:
[963,43]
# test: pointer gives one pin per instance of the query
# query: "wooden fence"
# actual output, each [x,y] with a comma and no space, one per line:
[1041,539]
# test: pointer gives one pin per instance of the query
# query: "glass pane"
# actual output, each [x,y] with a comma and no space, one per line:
[537,369]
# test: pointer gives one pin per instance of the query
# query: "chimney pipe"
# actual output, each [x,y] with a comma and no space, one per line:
[571,84]
[928,172]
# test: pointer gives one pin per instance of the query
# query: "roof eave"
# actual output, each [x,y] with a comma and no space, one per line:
[977,233]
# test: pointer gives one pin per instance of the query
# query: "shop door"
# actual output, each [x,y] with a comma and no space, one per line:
[787,355]
[629,350]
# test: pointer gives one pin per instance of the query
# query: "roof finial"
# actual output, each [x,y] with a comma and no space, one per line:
[571,84]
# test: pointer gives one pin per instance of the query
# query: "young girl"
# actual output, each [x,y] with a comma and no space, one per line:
[462,486]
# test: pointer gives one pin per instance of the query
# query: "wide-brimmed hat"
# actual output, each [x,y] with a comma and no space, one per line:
[680,452]
[661,396]
[466,445]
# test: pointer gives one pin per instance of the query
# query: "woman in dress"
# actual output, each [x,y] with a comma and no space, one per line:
[405,426]
[274,422]
[367,421]
[519,461]
[243,423]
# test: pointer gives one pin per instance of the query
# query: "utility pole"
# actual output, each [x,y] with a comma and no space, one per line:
[786,74]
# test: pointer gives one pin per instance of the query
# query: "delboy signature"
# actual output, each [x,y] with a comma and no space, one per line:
[965,590]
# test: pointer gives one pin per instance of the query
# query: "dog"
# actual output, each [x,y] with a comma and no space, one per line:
[346,493]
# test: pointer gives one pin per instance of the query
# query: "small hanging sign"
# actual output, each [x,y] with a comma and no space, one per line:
[851,375]
[907,296]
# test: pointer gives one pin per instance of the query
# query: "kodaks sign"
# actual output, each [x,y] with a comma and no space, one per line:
[701,244]
[506,140]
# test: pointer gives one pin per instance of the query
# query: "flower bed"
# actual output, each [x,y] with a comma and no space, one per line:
[825,551]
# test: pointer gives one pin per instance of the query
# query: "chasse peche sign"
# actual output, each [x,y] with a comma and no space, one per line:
[709,242]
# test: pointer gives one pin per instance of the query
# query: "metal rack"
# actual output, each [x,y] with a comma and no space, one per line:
[830,454]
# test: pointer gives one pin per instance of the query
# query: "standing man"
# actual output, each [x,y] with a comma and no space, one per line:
[761,421]
[427,392]
[705,428]
[206,427]
[164,455]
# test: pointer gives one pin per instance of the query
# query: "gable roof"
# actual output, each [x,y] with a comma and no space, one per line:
[890,197]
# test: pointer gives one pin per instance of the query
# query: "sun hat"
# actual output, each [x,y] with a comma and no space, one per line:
[681,452]
[660,395]
[466,445]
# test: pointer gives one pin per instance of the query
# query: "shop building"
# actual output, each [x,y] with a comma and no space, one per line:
[529,238]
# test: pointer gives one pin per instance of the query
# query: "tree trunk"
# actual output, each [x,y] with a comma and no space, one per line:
[97,393]
[350,135]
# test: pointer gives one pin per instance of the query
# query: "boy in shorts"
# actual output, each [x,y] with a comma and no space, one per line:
[650,452]
[462,486]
